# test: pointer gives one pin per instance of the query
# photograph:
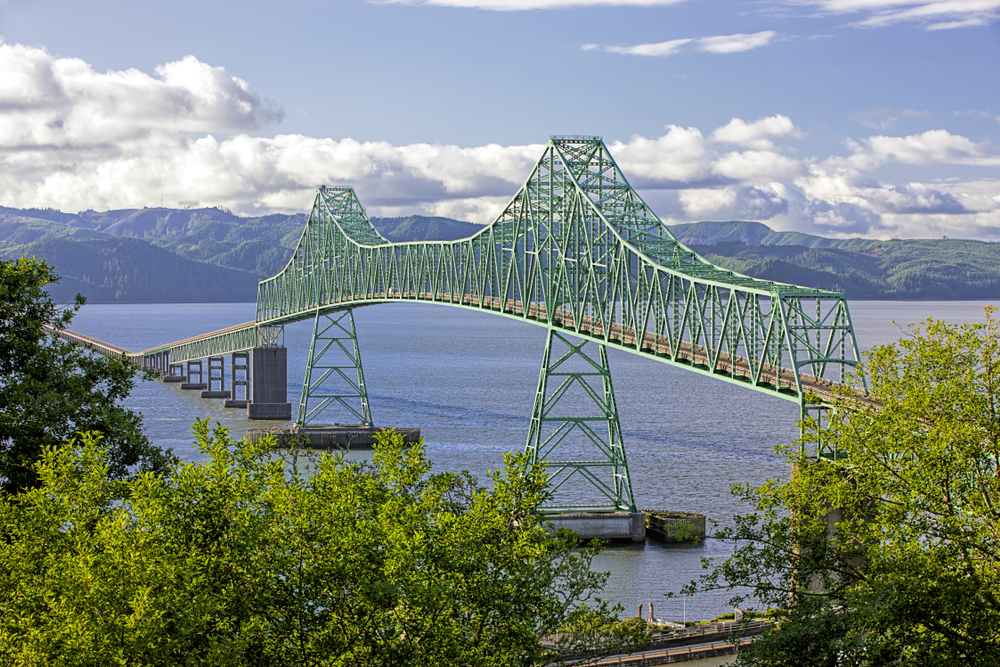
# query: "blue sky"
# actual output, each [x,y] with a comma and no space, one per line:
[839,117]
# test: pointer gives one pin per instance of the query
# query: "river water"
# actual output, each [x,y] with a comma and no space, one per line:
[468,380]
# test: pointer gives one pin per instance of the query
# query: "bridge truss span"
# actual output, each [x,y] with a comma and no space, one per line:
[578,252]
[577,249]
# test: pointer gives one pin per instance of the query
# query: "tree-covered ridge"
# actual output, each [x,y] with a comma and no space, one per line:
[210,254]
[424,228]
[896,269]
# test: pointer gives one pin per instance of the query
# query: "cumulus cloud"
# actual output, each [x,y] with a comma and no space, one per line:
[72,138]
[716,44]
[927,148]
[759,134]
[934,14]
[63,102]
[689,160]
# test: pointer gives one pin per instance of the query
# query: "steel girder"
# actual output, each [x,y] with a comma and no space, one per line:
[225,341]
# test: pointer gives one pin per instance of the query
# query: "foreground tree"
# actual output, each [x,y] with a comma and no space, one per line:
[891,554]
[50,388]
[244,559]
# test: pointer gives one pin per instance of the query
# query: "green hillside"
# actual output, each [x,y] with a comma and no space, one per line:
[424,228]
[863,268]
[158,254]
[124,270]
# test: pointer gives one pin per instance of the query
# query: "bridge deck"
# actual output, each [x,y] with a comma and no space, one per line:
[98,346]
[736,369]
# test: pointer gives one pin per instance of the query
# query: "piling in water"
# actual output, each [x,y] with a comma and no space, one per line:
[675,527]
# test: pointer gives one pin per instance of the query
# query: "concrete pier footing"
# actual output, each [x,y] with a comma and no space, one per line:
[269,384]
[671,526]
[208,393]
[194,370]
[175,373]
[615,526]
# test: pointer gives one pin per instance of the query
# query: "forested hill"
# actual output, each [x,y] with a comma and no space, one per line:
[168,255]
[157,255]
[864,268]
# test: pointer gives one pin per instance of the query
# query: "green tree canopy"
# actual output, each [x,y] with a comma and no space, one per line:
[889,555]
[50,388]
[243,559]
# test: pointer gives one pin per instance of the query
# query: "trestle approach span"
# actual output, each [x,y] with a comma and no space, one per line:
[576,251]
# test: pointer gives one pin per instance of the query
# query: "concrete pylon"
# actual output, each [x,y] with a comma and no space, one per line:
[269,384]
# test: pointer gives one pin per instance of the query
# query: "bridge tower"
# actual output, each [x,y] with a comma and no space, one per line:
[334,384]
[576,431]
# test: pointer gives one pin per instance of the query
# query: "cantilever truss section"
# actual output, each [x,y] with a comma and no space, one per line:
[578,251]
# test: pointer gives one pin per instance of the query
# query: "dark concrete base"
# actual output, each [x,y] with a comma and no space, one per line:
[332,437]
[274,411]
[174,378]
[215,394]
[193,385]
[668,526]
[617,526]
[235,403]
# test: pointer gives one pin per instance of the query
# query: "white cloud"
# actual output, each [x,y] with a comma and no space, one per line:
[735,43]
[757,167]
[72,138]
[658,49]
[63,102]
[646,158]
[706,203]
[935,14]
[526,5]
[927,148]
[716,44]
[758,134]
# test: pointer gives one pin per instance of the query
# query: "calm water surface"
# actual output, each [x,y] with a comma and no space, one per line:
[468,379]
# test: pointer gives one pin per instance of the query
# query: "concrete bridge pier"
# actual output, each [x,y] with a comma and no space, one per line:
[269,384]
[194,369]
[240,381]
[605,527]
[216,379]
[175,373]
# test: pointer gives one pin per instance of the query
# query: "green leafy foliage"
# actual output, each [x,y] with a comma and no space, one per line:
[49,388]
[248,559]
[890,555]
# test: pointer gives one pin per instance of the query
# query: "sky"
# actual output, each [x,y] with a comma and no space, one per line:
[875,118]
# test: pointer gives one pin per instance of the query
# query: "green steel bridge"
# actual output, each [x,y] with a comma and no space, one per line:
[578,252]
